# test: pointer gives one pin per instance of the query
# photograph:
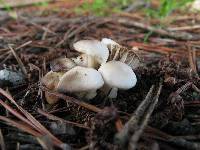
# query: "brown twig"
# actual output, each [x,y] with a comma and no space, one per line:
[153,48]
[154,133]
[9,53]
[23,68]
[29,118]
[123,137]
[192,59]
[176,35]
[37,25]
[22,126]
[52,117]
[15,113]
[184,28]
[134,139]
[72,100]
[180,141]
[2,143]
[138,120]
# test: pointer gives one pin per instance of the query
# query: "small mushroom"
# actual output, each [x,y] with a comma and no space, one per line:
[81,81]
[117,75]
[93,48]
[62,64]
[50,80]
[11,78]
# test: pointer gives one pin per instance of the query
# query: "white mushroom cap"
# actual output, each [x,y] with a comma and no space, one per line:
[117,74]
[94,48]
[50,80]
[108,41]
[62,64]
[80,79]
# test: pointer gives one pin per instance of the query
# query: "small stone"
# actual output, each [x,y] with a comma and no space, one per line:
[11,78]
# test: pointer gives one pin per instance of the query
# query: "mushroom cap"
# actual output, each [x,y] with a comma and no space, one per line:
[118,74]
[80,79]
[51,79]
[62,64]
[94,48]
[108,41]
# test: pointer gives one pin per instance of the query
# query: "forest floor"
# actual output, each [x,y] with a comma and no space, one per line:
[161,112]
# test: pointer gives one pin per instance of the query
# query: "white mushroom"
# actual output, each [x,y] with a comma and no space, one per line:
[117,75]
[62,64]
[50,80]
[81,81]
[108,41]
[94,48]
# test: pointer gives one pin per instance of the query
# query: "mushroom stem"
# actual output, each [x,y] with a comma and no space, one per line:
[92,62]
[113,93]
[93,48]
[105,89]
[91,94]
[86,61]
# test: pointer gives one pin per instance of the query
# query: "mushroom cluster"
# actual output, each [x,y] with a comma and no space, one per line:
[95,69]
